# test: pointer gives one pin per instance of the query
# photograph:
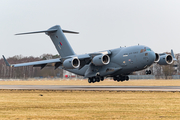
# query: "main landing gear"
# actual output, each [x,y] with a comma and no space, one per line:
[95,79]
[148,72]
[116,78]
[120,78]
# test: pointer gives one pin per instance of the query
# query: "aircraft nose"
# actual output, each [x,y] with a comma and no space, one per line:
[152,57]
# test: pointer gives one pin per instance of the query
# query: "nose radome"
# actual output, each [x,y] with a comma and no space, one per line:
[152,56]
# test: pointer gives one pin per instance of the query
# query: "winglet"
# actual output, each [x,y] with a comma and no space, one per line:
[6,61]
[172,53]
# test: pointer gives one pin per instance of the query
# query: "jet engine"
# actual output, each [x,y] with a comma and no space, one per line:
[157,58]
[71,63]
[100,60]
[165,59]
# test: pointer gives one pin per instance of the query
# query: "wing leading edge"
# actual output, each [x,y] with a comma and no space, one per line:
[42,63]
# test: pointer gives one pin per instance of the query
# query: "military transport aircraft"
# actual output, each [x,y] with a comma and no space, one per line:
[117,63]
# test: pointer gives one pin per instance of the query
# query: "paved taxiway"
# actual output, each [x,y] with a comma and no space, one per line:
[90,88]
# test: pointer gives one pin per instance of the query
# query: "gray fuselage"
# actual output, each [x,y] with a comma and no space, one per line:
[123,61]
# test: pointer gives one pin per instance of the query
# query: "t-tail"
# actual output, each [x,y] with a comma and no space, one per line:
[58,38]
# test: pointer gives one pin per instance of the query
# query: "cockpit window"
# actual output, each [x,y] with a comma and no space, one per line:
[145,49]
[148,49]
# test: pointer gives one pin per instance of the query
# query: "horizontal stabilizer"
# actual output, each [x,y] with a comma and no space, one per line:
[66,31]
[48,31]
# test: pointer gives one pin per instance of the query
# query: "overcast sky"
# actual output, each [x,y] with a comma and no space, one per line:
[103,25]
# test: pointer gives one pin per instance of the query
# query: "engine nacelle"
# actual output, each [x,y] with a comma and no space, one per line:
[71,63]
[157,58]
[165,60]
[100,60]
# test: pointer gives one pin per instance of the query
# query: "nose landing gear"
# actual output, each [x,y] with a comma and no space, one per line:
[148,72]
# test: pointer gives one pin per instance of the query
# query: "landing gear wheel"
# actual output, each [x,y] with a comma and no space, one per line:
[89,80]
[118,79]
[122,79]
[97,79]
[127,78]
[93,80]
[102,78]
[148,72]
[114,78]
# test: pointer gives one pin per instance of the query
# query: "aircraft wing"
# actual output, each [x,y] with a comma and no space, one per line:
[108,52]
[84,60]
[172,54]
[42,63]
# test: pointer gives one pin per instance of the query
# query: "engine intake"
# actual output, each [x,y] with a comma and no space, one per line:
[157,58]
[165,60]
[100,60]
[71,63]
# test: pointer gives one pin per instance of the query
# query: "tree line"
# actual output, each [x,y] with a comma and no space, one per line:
[31,72]
[28,71]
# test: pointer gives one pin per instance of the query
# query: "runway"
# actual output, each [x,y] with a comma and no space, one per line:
[91,88]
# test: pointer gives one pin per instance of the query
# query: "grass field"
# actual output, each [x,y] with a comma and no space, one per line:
[49,104]
[36,104]
[85,82]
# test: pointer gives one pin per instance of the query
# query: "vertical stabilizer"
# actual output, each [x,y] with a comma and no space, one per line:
[58,38]
[61,43]
[172,54]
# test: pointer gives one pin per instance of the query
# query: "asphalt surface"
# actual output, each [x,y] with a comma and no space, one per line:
[91,88]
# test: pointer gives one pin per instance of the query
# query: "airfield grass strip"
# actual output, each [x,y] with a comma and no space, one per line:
[107,82]
[53,104]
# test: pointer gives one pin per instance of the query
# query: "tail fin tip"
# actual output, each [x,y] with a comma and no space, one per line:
[172,53]
[7,64]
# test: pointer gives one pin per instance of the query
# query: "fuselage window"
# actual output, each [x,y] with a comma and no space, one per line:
[142,50]
[146,54]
